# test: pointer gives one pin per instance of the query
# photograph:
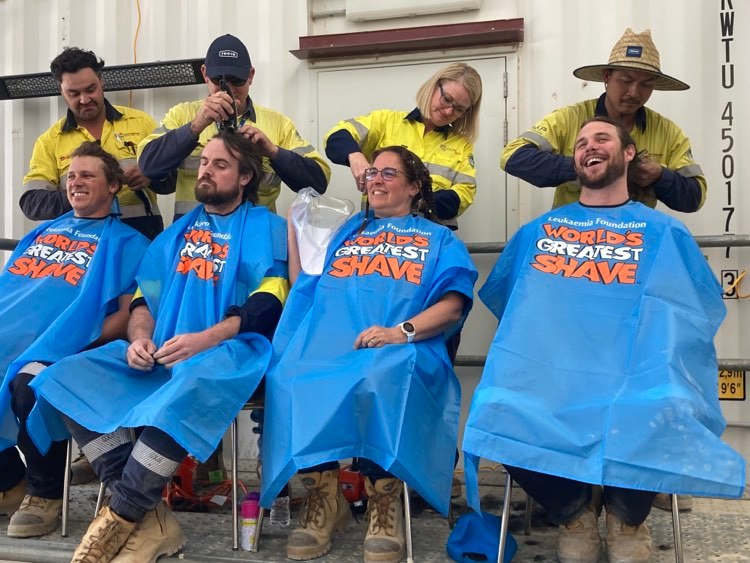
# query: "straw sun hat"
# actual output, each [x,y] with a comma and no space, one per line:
[634,51]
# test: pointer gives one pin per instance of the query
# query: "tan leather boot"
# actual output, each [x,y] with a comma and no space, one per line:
[159,534]
[385,534]
[325,510]
[104,538]
[628,544]
[578,541]
[37,516]
[10,500]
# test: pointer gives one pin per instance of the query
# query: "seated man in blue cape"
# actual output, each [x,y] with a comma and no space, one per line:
[603,369]
[210,292]
[361,366]
[66,287]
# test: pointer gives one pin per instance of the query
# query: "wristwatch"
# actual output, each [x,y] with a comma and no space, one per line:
[408,329]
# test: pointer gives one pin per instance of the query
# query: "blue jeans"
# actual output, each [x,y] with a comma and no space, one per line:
[566,500]
[136,474]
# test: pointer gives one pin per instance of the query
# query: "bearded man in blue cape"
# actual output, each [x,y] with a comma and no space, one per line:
[66,287]
[603,369]
[210,293]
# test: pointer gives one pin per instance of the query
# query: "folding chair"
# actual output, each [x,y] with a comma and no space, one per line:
[679,558]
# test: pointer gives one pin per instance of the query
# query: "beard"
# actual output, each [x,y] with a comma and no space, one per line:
[614,169]
[207,193]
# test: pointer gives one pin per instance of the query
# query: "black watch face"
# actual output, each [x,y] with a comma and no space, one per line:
[408,327]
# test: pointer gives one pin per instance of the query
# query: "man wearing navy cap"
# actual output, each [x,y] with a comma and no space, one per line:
[186,128]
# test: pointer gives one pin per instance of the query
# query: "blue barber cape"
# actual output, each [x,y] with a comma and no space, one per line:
[193,272]
[63,278]
[603,367]
[397,405]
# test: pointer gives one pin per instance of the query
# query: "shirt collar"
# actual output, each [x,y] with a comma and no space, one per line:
[640,115]
[416,115]
[250,111]
[110,113]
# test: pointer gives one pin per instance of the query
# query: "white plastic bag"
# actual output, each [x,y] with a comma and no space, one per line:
[316,218]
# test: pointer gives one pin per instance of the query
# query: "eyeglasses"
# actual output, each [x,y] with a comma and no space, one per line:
[387,174]
[233,80]
[447,102]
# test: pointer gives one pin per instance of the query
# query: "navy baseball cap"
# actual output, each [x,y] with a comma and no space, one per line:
[227,55]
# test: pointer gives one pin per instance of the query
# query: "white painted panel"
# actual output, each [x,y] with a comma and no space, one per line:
[361,10]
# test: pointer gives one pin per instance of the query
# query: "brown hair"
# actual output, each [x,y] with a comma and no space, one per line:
[112,171]
[249,161]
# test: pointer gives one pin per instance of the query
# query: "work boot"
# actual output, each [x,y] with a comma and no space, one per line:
[158,534]
[36,516]
[627,544]
[578,541]
[10,500]
[663,501]
[325,510]
[104,538]
[81,471]
[385,533]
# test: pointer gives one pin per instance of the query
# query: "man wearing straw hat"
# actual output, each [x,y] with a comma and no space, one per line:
[664,169]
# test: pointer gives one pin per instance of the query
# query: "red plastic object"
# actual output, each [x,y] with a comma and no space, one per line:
[352,484]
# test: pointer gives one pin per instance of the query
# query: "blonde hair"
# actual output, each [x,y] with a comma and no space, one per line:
[468,124]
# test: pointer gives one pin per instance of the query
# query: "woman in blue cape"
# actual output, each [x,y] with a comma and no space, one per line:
[361,367]
[66,287]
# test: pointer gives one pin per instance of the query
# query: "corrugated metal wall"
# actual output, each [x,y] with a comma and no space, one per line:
[560,35]
[35,31]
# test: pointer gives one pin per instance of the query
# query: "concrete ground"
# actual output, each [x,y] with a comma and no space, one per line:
[715,530]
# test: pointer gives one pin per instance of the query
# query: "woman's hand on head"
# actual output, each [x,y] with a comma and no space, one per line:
[358,163]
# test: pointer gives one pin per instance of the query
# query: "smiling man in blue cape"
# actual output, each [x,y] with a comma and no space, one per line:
[66,287]
[212,286]
[603,369]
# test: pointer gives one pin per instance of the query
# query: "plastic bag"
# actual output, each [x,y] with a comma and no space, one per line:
[316,218]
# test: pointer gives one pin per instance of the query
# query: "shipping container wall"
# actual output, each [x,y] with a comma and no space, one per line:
[706,44]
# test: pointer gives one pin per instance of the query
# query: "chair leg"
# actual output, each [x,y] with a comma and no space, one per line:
[678,555]
[407,525]
[66,489]
[100,498]
[258,530]
[527,515]
[505,518]
[235,489]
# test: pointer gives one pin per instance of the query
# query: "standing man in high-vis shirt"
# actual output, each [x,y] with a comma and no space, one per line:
[187,128]
[91,117]
[664,170]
